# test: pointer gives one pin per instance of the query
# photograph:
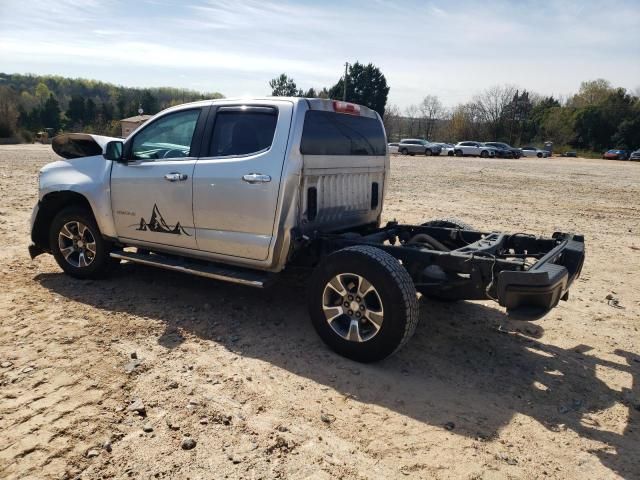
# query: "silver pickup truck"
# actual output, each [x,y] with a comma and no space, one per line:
[241,190]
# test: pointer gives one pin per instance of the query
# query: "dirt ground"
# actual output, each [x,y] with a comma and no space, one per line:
[474,395]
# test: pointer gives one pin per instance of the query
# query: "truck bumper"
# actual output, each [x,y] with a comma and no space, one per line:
[533,292]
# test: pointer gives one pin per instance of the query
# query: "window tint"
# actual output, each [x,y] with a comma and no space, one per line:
[167,137]
[329,133]
[238,132]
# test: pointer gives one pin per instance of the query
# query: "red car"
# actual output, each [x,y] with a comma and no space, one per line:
[616,154]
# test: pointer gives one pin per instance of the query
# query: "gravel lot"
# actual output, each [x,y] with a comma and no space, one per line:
[241,373]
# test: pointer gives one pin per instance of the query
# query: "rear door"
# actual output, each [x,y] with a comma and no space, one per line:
[237,178]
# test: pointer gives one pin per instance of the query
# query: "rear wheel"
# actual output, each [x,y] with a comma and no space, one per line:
[484,154]
[448,223]
[363,303]
[78,246]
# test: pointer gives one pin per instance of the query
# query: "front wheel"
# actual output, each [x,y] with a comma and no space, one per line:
[539,155]
[363,303]
[484,154]
[428,152]
[459,153]
[404,151]
[78,246]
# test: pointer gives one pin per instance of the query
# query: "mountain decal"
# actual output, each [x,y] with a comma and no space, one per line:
[157,224]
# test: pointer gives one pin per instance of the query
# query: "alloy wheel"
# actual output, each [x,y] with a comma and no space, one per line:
[77,244]
[352,307]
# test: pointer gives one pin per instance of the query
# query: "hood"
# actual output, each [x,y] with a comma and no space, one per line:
[76,145]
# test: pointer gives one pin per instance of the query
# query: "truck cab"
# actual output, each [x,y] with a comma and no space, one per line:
[228,180]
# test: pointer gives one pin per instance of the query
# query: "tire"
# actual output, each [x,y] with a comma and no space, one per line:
[484,154]
[539,155]
[404,151]
[66,230]
[448,223]
[393,294]
[459,153]
[450,153]
[428,152]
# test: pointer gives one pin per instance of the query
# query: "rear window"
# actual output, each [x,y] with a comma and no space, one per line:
[243,132]
[329,133]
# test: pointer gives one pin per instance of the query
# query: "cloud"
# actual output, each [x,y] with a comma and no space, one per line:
[452,49]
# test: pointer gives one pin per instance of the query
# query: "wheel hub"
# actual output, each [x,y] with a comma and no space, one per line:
[352,307]
[77,244]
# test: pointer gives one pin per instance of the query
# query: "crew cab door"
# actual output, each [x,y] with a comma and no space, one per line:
[151,190]
[237,178]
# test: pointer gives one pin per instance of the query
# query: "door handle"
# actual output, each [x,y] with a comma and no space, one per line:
[256,178]
[175,177]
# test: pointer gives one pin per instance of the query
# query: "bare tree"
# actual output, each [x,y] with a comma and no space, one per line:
[392,122]
[464,123]
[491,105]
[8,112]
[412,119]
[430,109]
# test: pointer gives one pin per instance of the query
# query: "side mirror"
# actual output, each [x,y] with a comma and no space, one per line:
[113,151]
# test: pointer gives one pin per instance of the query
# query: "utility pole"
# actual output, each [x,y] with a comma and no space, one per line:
[344,92]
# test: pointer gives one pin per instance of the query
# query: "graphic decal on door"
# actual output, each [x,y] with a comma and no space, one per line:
[157,224]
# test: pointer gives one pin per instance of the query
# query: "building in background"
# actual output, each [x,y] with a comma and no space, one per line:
[128,125]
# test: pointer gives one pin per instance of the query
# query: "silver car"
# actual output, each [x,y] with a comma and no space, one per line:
[418,146]
[474,149]
[534,152]
[635,155]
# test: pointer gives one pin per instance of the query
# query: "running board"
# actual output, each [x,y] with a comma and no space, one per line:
[241,276]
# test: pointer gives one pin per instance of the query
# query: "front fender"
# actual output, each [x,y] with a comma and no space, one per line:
[89,177]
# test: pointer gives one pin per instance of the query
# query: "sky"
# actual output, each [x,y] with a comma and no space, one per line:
[452,49]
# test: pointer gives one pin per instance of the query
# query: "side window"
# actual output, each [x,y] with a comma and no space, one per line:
[167,137]
[243,132]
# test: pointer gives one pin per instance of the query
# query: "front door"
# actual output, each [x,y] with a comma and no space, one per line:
[151,193]
[237,179]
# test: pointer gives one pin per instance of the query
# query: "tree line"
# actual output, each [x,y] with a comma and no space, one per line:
[31,103]
[599,116]
[366,85]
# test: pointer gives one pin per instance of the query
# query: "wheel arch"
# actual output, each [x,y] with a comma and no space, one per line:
[48,208]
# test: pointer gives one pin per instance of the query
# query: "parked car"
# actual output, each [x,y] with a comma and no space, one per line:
[413,146]
[447,149]
[616,154]
[242,190]
[393,147]
[475,149]
[504,150]
[534,152]
[635,155]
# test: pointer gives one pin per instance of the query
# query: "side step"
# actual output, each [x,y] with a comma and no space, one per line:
[225,273]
